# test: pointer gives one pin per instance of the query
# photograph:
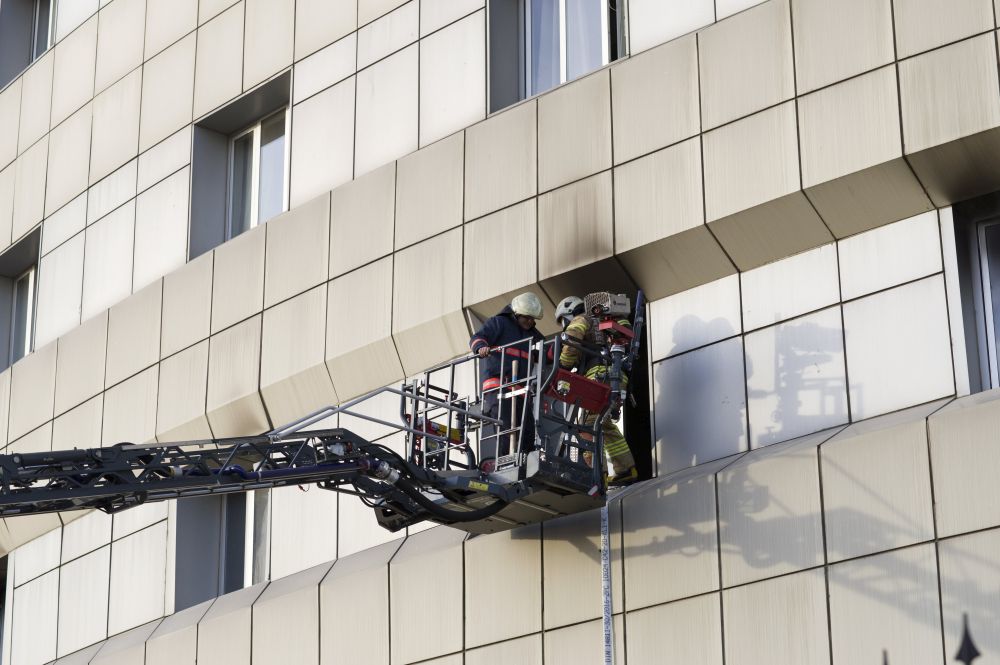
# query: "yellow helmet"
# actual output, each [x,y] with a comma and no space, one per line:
[527,304]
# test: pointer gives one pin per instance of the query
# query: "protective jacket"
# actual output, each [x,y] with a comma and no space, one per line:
[582,329]
[497,331]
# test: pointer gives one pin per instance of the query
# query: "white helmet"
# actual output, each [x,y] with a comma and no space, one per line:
[567,308]
[527,304]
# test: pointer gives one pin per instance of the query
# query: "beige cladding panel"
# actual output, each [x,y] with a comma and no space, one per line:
[130,409]
[968,574]
[10,113]
[35,441]
[686,543]
[224,632]
[924,24]
[429,190]
[357,585]
[837,40]
[361,355]
[361,225]
[752,198]
[369,10]
[746,63]
[690,630]
[6,202]
[501,160]
[175,640]
[187,305]
[761,539]
[115,136]
[654,99]
[238,278]
[571,567]
[297,249]
[783,620]
[385,121]
[234,406]
[323,142]
[949,93]
[293,376]
[167,92]
[79,427]
[268,39]
[26,528]
[180,410]
[962,445]
[288,606]
[658,195]
[219,63]
[80,365]
[83,607]
[583,643]
[514,556]
[388,34]
[575,225]
[32,391]
[166,22]
[768,232]
[119,43]
[850,126]
[209,9]
[677,263]
[500,253]
[438,595]
[428,324]
[574,131]
[4,404]
[961,169]
[452,77]
[951,110]
[73,72]
[524,651]
[884,457]
[867,623]
[69,144]
[751,161]
[296,546]
[320,22]
[869,198]
[134,333]
[29,189]
[36,101]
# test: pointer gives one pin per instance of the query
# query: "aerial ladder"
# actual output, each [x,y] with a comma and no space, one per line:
[554,463]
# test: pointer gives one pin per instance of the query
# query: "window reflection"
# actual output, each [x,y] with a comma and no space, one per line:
[258,174]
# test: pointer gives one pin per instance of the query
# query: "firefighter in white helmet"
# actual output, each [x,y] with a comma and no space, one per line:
[577,324]
[514,323]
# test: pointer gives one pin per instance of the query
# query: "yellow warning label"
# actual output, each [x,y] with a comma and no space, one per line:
[476,485]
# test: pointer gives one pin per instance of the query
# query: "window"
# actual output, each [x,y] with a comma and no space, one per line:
[239,169]
[43,32]
[22,316]
[258,174]
[222,541]
[976,226]
[536,45]
[18,297]
[27,30]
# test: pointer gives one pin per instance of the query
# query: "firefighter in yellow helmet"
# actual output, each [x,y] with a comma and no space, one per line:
[577,324]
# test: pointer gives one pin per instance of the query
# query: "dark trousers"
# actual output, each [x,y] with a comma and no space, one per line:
[490,445]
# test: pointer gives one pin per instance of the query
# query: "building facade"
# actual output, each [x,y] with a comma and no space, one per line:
[217,216]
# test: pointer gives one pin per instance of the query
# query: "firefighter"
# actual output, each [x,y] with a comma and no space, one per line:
[513,323]
[577,324]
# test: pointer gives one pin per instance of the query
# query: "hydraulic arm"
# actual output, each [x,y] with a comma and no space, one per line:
[425,469]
